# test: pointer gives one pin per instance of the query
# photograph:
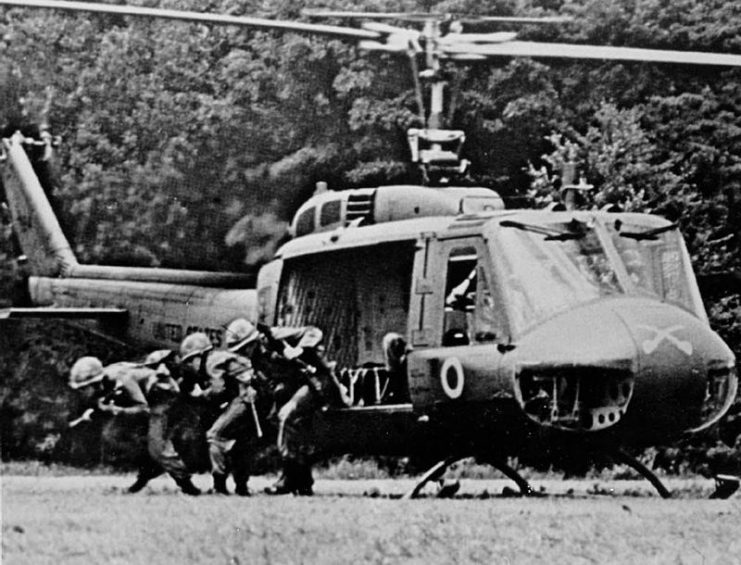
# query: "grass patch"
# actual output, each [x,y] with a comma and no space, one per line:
[40,469]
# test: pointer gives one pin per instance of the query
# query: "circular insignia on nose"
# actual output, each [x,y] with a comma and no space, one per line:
[451,377]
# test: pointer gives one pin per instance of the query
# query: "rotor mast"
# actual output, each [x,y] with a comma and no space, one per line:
[432,35]
[435,149]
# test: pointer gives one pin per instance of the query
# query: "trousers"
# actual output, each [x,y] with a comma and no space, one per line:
[294,426]
[160,446]
[218,435]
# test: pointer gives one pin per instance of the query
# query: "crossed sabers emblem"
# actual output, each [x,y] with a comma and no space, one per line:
[650,345]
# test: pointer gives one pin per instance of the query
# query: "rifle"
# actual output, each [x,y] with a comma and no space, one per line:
[256,419]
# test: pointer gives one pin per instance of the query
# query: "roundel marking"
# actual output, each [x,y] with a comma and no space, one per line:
[451,377]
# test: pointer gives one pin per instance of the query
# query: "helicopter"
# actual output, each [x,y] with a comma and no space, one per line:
[526,328]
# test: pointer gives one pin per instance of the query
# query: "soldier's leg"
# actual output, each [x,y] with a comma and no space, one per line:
[294,444]
[127,434]
[241,460]
[219,443]
[147,470]
[163,452]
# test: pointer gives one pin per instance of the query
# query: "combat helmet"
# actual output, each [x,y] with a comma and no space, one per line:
[194,345]
[85,371]
[154,359]
[239,333]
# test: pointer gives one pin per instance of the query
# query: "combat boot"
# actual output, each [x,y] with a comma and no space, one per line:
[188,487]
[242,490]
[138,485]
[220,484]
[284,483]
[303,482]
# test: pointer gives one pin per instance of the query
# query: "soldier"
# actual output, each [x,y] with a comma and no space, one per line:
[229,389]
[163,392]
[395,351]
[292,358]
[120,389]
[222,381]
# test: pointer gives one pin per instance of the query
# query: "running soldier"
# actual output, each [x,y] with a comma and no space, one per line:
[222,381]
[121,389]
[292,359]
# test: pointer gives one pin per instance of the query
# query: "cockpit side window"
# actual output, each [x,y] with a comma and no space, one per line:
[470,308]
[460,295]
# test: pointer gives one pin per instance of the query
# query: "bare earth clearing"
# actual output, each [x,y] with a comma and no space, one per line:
[91,520]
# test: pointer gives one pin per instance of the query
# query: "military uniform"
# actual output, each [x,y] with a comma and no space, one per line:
[292,359]
[122,389]
[229,389]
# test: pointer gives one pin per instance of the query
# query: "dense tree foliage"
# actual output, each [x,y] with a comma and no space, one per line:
[187,145]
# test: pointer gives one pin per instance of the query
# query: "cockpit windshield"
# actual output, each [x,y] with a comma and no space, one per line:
[546,275]
[657,263]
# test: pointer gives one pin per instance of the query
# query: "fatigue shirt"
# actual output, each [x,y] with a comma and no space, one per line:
[272,365]
[132,384]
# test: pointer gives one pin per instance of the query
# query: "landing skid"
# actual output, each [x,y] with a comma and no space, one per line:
[436,472]
[644,471]
[725,485]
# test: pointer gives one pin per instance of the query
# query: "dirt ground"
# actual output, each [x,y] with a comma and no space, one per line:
[91,519]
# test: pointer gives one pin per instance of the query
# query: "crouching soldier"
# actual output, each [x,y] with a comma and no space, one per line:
[221,381]
[293,359]
[163,393]
[230,390]
[120,389]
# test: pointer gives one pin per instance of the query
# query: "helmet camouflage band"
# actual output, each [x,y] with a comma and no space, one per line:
[239,333]
[85,371]
[157,357]
[194,345]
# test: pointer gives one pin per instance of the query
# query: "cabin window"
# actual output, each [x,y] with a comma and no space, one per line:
[330,213]
[305,222]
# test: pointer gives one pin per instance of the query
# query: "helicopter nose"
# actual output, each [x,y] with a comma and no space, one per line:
[576,372]
[685,374]
[651,367]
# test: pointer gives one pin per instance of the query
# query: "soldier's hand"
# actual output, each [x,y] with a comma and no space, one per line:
[87,416]
[291,353]
[250,394]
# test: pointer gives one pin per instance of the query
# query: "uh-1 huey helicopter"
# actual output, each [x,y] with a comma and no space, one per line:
[527,329]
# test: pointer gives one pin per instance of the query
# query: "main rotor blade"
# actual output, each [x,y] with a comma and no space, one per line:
[514,19]
[565,50]
[413,16]
[497,37]
[196,17]
[430,16]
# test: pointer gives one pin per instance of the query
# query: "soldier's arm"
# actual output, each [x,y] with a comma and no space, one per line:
[307,337]
[128,399]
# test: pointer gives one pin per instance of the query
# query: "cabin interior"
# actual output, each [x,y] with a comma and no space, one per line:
[355,297]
